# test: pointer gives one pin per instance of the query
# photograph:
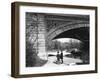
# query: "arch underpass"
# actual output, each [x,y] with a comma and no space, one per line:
[81,33]
[76,30]
[72,31]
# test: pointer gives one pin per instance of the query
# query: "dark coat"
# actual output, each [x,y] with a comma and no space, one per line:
[61,55]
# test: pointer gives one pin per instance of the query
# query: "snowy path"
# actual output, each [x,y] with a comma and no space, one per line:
[66,61]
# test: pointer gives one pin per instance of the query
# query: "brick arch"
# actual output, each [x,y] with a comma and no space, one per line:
[65,27]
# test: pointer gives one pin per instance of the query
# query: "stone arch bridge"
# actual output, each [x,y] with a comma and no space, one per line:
[69,28]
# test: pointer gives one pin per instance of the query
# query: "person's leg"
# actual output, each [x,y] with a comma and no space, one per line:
[57,59]
[62,60]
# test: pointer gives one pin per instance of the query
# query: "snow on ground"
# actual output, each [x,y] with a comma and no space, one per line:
[66,60]
[55,53]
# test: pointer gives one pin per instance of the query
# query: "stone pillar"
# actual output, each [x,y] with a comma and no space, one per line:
[41,37]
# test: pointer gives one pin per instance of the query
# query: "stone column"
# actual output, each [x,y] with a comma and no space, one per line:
[41,37]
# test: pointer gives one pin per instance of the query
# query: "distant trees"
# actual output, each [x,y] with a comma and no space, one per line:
[56,45]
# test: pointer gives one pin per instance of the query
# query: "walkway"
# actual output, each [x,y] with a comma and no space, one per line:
[66,61]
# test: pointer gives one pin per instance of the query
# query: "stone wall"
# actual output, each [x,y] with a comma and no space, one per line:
[35,40]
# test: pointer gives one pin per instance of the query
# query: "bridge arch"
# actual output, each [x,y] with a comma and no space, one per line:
[66,27]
